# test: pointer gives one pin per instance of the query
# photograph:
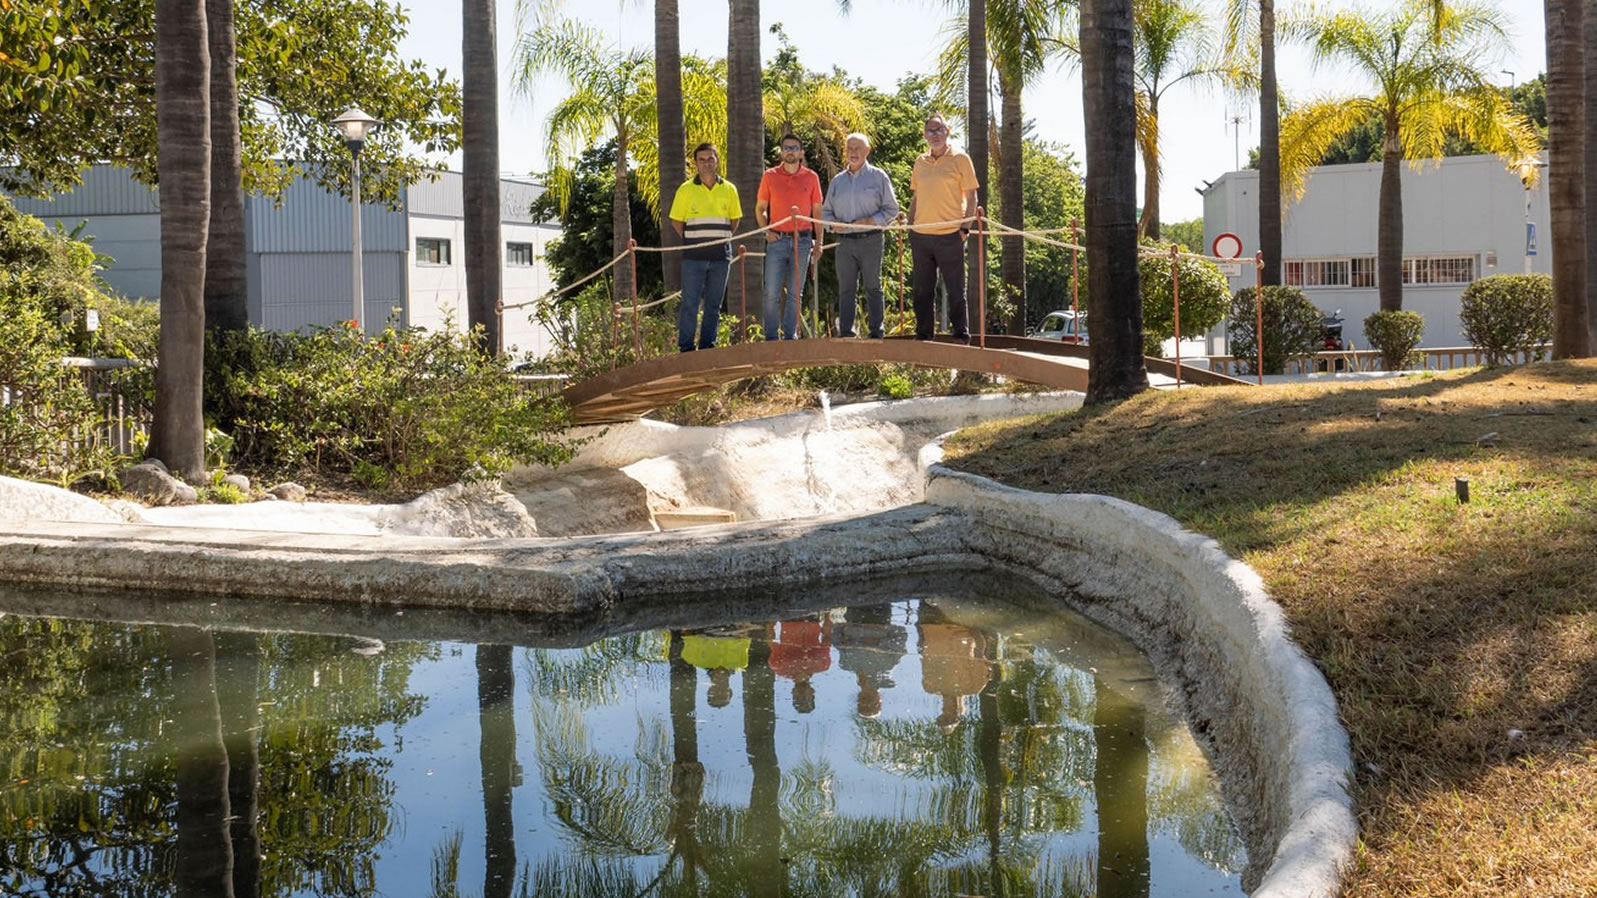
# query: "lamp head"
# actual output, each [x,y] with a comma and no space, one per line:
[354,124]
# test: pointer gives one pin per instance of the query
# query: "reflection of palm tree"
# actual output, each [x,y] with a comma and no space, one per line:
[238,697]
[204,853]
[687,774]
[496,686]
[1121,783]
[759,736]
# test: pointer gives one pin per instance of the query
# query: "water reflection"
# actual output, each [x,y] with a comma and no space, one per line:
[925,746]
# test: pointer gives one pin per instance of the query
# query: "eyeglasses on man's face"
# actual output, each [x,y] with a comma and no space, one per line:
[792,148]
[933,132]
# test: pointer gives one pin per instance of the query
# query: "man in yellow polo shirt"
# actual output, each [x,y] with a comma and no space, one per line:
[705,211]
[941,210]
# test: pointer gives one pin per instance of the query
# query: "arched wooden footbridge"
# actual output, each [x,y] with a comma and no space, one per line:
[628,392]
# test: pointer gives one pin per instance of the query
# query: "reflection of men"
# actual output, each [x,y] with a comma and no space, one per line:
[720,655]
[944,202]
[952,662]
[801,650]
[869,645]
[861,195]
[781,188]
[705,210]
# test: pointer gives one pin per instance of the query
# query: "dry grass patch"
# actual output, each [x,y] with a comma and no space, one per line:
[1460,639]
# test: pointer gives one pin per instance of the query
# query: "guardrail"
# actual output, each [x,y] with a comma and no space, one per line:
[1439,358]
[122,418]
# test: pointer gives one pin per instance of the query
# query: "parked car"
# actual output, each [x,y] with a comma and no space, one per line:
[1062,326]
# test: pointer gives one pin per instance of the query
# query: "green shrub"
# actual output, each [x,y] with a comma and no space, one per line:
[49,423]
[1395,333]
[895,386]
[224,494]
[1293,327]
[1204,292]
[421,407]
[1508,314]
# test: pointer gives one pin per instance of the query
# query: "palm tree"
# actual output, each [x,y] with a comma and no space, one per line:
[226,302]
[604,103]
[183,124]
[1431,77]
[672,145]
[1114,296]
[1588,122]
[818,109]
[496,714]
[1174,43]
[745,138]
[1237,26]
[480,172]
[1566,181]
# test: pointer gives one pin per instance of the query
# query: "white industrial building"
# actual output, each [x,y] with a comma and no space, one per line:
[1465,218]
[298,253]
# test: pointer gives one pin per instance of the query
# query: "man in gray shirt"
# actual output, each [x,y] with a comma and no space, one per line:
[861,201]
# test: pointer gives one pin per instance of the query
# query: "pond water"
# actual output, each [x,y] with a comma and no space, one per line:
[915,743]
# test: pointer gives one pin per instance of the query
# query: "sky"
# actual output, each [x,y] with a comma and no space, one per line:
[879,41]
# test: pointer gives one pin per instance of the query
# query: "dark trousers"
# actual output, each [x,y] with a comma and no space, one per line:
[934,254]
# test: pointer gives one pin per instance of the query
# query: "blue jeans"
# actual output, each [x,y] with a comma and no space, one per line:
[703,282]
[779,265]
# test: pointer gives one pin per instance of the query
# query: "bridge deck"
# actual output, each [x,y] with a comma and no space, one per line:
[629,392]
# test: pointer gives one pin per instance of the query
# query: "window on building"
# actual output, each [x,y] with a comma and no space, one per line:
[1439,270]
[432,251]
[1363,272]
[518,254]
[1317,272]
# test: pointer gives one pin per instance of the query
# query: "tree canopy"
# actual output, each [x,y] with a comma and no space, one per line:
[77,87]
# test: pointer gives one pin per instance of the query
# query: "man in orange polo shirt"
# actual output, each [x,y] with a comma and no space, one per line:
[782,188]
[940,214]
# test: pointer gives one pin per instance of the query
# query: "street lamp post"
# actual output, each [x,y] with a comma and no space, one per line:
[1529,173]
[354,124]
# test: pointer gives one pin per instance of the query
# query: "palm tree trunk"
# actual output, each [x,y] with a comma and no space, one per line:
[977,124]
[1269,149]
[621,222]
[1114,298]
[1389,224]
[1571,178]
[183,130]
[1149,225]
[1120,781]
[204,851]
[672,132]
[687,773]
[226,290]
[238,697]
[1012,198]
[496,754]
[764,821]
[745,129]
[480,173]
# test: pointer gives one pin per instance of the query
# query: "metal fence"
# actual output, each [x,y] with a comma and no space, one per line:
[1435,359]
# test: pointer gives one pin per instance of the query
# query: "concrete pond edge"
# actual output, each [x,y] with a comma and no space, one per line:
[1212,631]
[1210,627]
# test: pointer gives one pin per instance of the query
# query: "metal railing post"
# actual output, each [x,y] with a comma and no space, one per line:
[901,219]
[981,276]
[1258,305]
[1175,305]
[1075,277]
[743,290]
[793,295]
[637,335]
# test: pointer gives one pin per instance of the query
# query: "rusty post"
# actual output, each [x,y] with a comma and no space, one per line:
[743,290]
[1075,277]
[981,277]
[793,294]
[637,335]
[901,220]
[1258,305]
[1175,306]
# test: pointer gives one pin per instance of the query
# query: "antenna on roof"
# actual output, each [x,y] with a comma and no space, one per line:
[1236,118]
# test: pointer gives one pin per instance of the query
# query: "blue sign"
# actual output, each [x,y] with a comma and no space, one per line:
[1530,238]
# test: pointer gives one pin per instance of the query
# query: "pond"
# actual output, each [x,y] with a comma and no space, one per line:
[910,740]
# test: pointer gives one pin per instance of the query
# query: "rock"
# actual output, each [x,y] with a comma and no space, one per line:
[185,494]
[238,480]
[288,491]
[157,463]
[149,482]
[462,510]
[24,500]
[268,497]
[575,502]
[131,512]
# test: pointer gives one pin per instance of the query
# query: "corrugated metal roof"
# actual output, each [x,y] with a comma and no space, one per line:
[443,198]
[313,220]
[106,190]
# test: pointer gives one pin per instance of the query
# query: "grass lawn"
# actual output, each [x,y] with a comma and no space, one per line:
[1460,638]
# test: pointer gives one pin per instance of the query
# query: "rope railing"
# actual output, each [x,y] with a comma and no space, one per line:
[983,226]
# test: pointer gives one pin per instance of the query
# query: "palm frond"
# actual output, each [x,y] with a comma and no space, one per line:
[1308,131]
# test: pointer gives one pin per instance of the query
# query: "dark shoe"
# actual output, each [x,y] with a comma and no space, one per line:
[849,335]
[878,336]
